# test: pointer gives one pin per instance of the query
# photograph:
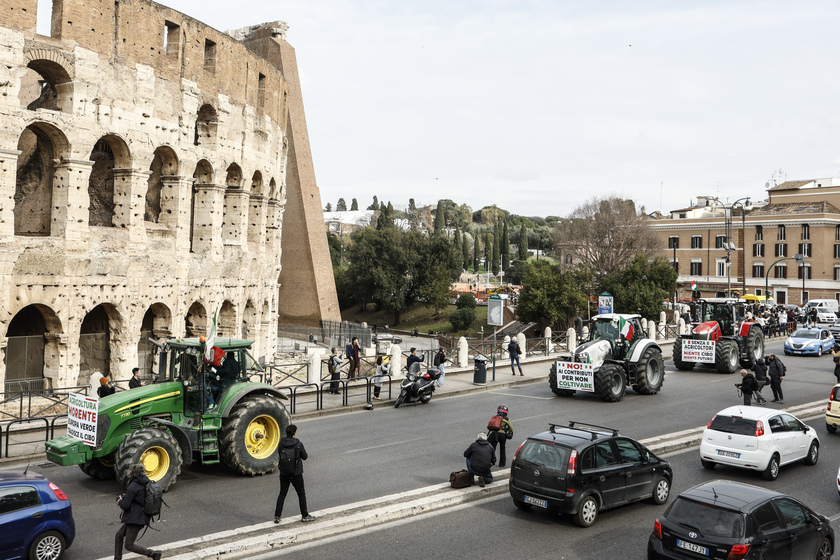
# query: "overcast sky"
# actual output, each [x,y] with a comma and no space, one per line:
[538,106]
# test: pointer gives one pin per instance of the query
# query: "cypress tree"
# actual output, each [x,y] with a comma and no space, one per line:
[523,243]
[505,248]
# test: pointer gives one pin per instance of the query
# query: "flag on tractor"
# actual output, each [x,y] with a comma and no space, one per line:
[211,340]
[626,328]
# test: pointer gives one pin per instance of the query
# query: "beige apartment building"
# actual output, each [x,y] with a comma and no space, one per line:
[798,217]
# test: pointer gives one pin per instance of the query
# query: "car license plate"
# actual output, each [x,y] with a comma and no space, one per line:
[536,502]
[693,547]
[729,454]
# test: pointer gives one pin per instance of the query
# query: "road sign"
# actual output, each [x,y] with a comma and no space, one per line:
[495,311]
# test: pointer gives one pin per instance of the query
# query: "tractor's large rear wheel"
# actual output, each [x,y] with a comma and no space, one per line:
[552,382]
[610,383]
[755,347]
[650,372]
[251,434]
[677,356]
[100,468]
[155,449]
[726,356]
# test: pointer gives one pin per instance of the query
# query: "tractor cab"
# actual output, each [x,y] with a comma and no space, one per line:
[728,312]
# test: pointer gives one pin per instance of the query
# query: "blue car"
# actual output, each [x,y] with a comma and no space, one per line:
[36,520]
[816,341]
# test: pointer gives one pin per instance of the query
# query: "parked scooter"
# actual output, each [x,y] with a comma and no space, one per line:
[417,387]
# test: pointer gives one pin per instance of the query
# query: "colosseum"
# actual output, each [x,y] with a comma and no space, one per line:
[154,172]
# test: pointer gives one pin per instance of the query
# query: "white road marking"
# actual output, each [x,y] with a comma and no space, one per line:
[366,531]
[384,445]
[524,396]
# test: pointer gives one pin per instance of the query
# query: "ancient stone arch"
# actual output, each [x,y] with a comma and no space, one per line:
[249,322]
[48,82]
[157,324]
[206,126]
[227,320]
[109,153]
[164,167]
[195,323]
[40,144]
[33,348]
[98,341]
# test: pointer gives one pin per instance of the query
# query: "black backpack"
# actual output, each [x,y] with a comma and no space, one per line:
[154,500]
[288,460]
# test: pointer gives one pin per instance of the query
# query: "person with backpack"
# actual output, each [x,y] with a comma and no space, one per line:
[134,517]
[748,385]
[514,350]
[776,370]
[760,370]
[500,430]
[334,367]
[439,360]
[480,457]
[292,456]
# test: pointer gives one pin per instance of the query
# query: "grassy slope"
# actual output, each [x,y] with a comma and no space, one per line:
[420,317]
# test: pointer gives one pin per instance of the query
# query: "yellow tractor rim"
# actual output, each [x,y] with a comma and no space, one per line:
[156,461]
[262,437]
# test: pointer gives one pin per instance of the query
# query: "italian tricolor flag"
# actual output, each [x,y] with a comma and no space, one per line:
[626,329]
[694,285]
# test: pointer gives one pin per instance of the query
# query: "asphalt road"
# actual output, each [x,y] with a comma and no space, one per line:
[361,455]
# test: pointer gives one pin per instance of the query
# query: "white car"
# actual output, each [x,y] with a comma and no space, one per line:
[758,439]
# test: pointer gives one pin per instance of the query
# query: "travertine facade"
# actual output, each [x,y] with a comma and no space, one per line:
[153,170]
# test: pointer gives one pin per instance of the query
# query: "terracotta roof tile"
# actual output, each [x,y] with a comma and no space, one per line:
[790,185]
[818,207]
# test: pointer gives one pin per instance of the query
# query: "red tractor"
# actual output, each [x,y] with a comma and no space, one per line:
[722,335]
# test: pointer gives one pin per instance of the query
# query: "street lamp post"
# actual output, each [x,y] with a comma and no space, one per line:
[729,246]
[799,258]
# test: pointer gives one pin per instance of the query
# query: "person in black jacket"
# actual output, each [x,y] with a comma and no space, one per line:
[480,457]
[760,370]
[776,370]
[413,358]
[135,382]
[295,479]
[748,385]
[133,502]
[105,388]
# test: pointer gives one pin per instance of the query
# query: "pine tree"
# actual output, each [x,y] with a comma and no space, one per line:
[523,243]
[375,205]
[341,206]
[354,205]
[328,208]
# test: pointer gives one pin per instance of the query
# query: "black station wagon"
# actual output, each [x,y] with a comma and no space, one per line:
[581,469]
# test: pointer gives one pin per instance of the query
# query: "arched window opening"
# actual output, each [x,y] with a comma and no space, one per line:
[94,345]
[195,323]
[101,185]
[46,84]
[206,125]
[227,320]
[34,182]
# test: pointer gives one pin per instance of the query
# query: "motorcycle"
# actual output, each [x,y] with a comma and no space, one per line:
[417,387]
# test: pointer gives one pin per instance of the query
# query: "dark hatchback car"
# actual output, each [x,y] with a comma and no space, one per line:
[724,520]
[582,469]
[36,520]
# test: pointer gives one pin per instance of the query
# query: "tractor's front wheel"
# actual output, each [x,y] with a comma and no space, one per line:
[610,383]
[251,434]
[155,449]
[552,382]
[650,372]
[677,356]
[100,468]
[726,356]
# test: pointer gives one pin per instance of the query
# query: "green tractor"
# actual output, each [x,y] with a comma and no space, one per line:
[194,413]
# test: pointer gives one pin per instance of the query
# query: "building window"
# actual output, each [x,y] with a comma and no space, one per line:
[673,242]
[696,242]
[759,233]
[171,38]
[836,233]
[805,297]
[696,269]
[210,56]
[758,270]
[806,232]
[781,249]
[676,265]
[720,242]
[720,266]
[758,249]
[805,249]
[758,291]
[837,251]
[837,272]
[804,270]
[261,91]
[781,271]
[780,235]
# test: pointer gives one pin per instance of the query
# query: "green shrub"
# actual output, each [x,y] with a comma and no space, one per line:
[461,319]
[466,301]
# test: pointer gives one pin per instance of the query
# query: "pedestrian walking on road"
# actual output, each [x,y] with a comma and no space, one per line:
[334,367]
[292,456]
[352,353]
[480,457]
[776,371]
[747,385]
[500,430]
[514,350]
[760,370]
[134,518]
[835,355]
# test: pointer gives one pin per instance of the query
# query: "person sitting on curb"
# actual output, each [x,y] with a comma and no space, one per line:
[480,457]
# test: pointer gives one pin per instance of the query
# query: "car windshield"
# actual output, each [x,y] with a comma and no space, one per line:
[733,425]
[803,333]
[706,519]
